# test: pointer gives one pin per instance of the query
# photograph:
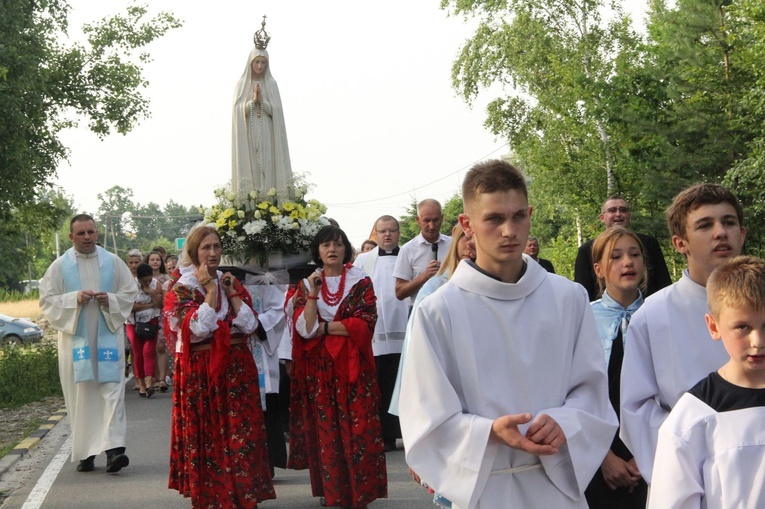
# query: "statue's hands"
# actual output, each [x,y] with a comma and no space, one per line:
[256,93]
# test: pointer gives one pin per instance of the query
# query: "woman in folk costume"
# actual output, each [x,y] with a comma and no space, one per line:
[619,264]
[218,447]
[337,403]
[260,153]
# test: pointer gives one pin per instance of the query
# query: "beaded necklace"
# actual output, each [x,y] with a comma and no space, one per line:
[333,299]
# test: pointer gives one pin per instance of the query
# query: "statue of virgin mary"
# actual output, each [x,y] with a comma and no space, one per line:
[260,154]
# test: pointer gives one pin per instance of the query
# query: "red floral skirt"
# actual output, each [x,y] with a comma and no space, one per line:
[218,451]
[336,432]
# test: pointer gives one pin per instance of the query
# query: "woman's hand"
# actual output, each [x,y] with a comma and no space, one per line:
[228,282]
[203,276]
[314,280]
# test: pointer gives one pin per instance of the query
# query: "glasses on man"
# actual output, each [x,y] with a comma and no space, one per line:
[614,210]
[386,232]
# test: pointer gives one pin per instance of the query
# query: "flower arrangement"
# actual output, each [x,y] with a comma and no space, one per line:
[263,223]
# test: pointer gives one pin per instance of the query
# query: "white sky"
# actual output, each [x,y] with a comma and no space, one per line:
[366,87]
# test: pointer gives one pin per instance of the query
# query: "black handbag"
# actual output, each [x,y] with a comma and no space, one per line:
[146,330]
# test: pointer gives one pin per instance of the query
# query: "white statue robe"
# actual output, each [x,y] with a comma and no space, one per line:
[481,349]
[392,314]
[260,152]
[708,459]
[667,350]
[96,410]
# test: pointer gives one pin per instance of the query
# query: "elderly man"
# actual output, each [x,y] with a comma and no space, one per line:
[86,295]
[532,249]
[616,212]
[420,258]
[392,314]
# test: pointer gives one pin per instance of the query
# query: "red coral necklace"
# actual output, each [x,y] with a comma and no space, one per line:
[332,299]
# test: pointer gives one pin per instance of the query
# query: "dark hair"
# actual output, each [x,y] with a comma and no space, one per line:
[162,269]
[492,176]
[693,197]
[368,241]
[326,234]
[78,218]
[143,270]
[161,250]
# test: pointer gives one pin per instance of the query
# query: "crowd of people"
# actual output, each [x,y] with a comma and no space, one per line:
[504,382]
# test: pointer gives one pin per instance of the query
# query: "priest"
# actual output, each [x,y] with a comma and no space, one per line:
[392,315]
[86,295]
[504,396]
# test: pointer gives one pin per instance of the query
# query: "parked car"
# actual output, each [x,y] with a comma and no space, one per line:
[28,285]
[14,331]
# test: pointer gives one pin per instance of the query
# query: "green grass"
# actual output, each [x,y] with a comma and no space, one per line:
[28,373]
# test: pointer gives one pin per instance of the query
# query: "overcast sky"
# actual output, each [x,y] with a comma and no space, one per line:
[371,116]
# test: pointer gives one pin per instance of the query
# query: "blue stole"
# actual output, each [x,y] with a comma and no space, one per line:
[109,369]
[610,316]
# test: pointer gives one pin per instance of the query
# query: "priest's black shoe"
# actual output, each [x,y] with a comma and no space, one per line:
[116,462]
[86,465]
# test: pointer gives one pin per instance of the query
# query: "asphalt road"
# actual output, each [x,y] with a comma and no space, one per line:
[144,482]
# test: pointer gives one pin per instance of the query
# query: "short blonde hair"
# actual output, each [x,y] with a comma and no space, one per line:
[739,282]
[603,246]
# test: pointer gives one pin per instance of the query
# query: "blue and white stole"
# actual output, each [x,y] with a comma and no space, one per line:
[109,369]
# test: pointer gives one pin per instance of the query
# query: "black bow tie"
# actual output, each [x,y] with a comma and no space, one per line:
[381,252]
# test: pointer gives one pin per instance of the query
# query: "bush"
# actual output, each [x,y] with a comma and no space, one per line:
[16,295]
[29,373]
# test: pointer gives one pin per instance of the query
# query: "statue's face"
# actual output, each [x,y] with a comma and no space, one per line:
[259,66]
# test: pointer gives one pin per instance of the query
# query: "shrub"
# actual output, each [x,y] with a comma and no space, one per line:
[29,373]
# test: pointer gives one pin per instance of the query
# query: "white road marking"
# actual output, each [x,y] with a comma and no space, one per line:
[43,485]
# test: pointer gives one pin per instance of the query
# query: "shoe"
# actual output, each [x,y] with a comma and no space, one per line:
[149,392]
[163,386]
[116,462]
[389,445]
[142,394]
[87,465]
[323,502]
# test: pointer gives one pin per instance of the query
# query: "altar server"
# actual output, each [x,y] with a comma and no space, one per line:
[504,397]
[711,448]
[667,347]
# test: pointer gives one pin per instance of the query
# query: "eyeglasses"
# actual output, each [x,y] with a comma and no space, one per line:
[385,232]
[614,210]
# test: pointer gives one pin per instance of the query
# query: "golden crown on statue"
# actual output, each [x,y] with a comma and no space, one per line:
[261,37]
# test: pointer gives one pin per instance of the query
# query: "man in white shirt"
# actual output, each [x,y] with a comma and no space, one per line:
[87,294]
[390,329]
[504,398]
[420,258]
[668,349]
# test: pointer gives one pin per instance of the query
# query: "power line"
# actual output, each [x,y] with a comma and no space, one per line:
[418,187]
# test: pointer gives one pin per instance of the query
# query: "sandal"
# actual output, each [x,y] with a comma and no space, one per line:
[149,392]
[163,386]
